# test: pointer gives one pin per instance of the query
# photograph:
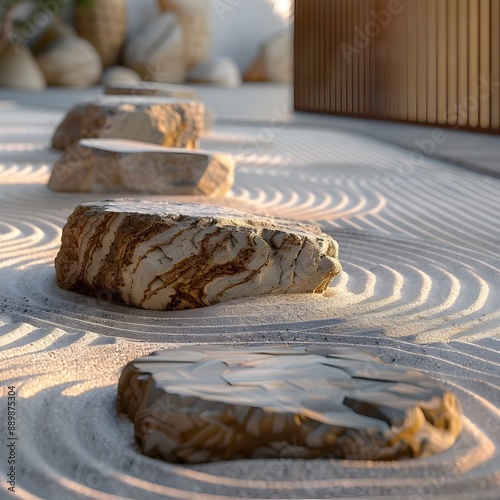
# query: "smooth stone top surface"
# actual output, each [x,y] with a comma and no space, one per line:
[207,403]
[125,146]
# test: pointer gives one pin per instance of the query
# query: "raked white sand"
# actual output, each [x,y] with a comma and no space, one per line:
[420,288]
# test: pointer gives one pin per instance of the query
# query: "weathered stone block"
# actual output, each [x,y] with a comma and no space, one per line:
[179,256]
[202,404]
[158,120]
[118,166]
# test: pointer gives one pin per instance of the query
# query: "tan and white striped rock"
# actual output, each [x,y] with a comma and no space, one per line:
[157,120]
[207,403]
[179,256]
[118,166]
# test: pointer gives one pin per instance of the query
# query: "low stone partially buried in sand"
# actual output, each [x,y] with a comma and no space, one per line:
[209,403]
[178,256]
[118,166]
[158,120]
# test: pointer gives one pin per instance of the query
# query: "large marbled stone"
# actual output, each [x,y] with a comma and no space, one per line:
[118,166]
[178,256]
[158,120]
[202,404]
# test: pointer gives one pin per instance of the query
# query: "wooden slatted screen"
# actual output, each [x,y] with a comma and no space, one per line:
[427,61]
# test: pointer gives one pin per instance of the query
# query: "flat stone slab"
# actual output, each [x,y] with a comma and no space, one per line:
[166,256]
[151,89]
[173,122]
[209,403]
[119,166]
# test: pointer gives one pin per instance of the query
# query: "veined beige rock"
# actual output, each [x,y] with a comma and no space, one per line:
[208,403]
[158,120]
[151,89]
[179,256]
[117,166]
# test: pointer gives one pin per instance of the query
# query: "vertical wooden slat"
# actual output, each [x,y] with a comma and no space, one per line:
[343,106]
[355,60]
[338,55]
[472,96]
[383,58]
[495,64]
[393,35]
[349,62]
[372,89]
[484,83]
[463,61]
[328,55]
[304,54]
[441,60]
[298,57]
[452,73]
[320,63]
[403,62]
[314,46]
[310,57]
[361,57]
[421,60]
[320,36]
[412,60]
[432,60]
[379,75]
[368,62]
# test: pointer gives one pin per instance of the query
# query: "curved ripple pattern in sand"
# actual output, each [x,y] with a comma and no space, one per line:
[338,179]
[414,274]
[74,441]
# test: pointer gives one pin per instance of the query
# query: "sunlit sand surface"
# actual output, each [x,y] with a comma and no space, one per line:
[420,288]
